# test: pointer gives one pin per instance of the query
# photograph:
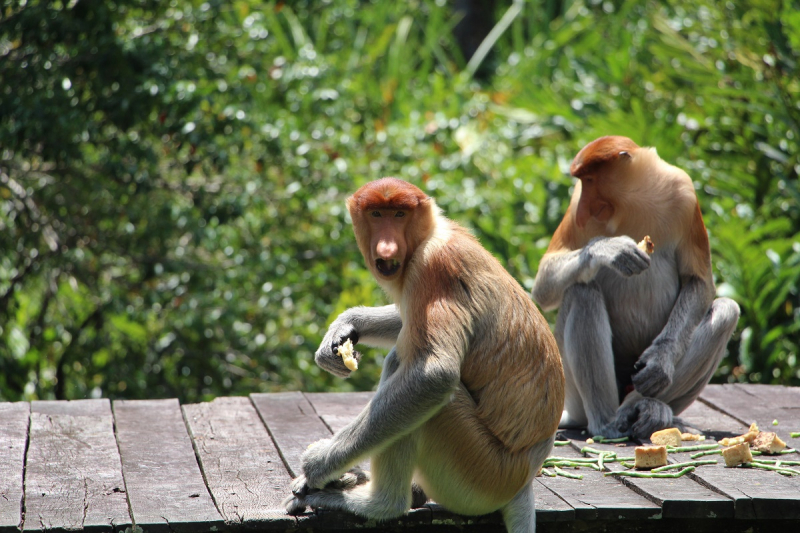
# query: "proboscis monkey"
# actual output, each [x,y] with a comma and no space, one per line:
[640,336]
[472,391]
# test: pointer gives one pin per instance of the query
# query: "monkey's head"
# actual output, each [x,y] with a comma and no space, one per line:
[391,218]
[600,167]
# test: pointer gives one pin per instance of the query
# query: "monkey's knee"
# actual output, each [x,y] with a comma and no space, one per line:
[583,294]
[723,316]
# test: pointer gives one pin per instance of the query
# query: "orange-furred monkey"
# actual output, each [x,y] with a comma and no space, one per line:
[472,391]
[640,336]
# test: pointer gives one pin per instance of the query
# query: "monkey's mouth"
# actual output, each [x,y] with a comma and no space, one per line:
[387,268]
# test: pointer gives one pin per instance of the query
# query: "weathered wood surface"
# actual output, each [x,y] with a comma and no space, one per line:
[91,465]
[14,419]
[166,490]
[242,468]
[73,478]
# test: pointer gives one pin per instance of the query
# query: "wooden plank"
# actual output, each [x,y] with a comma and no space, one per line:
[14,421]
[241,465]
[292,423]
[597,497]
[73,476]
[727,410]
[337,409]
[711,422]
[165,487]
[678,498]
[761,404]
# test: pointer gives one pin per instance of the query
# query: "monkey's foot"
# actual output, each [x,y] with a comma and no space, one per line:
[418,496]
[360,501]
[642,418]
[294,505]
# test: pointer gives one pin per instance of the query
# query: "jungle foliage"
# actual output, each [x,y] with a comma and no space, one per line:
[173,173]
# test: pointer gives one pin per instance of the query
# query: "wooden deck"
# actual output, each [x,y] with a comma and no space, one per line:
[95,465]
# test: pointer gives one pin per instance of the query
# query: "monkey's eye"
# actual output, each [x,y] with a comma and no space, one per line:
[400,214]
[376,214]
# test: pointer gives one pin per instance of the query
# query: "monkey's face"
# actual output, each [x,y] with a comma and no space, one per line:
[388,245]
[592,202]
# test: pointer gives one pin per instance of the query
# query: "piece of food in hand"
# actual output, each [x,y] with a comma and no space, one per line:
[646,245]
[768,442]
[667,437]
[692,436]
[647,457]
[346,351]
[737,454]
[747,437]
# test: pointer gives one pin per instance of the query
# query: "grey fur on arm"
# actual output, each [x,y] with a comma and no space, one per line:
[559,271]
[411,395]
[654,368]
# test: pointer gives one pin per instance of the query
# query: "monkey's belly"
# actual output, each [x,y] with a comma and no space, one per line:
[639,307]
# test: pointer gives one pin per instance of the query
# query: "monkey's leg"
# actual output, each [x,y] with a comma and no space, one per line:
[642,416]
[696,367]
[519,514]
[388,494]
[583,333]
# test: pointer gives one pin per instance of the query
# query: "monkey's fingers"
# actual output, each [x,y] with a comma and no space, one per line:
[294,505]
[300,486]
[351,335]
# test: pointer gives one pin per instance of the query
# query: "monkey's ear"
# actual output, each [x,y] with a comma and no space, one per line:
[601,152]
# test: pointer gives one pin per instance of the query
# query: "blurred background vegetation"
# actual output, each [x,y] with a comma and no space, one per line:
[173,173]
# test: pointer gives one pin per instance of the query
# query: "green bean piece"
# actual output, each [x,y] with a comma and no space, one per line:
[795,434]
[571,464]
[681,449]
[599,439]
[548,473]
[572,459]
[775,462]
[633,473]
[561,443]
[684,465]
[707,452]
[587,450]
[779,469]
[567,474]
[787,450]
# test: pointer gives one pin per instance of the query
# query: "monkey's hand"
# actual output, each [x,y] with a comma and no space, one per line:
[327,356]
[654,370]
[618,253]
[317,468]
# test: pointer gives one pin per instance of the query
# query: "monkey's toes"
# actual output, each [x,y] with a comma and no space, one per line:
[294,506]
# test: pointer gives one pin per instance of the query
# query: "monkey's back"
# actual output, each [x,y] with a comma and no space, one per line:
[512,367]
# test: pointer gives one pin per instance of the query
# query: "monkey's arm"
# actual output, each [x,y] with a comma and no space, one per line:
[654,370]
[417,389]
[373,326]
[560,270]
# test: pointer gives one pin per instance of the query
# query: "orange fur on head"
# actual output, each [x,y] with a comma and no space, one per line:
[600,152]
[387,193]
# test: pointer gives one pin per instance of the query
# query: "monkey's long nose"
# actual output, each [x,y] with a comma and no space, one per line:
[386,249]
